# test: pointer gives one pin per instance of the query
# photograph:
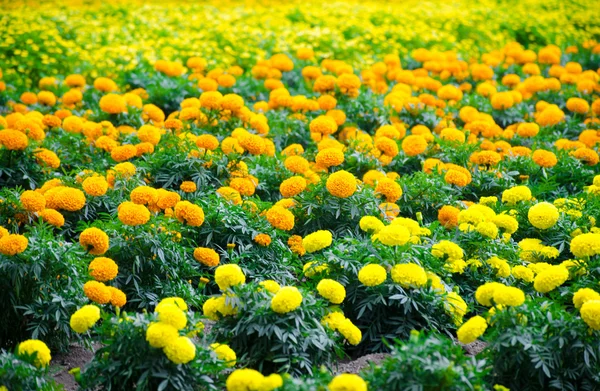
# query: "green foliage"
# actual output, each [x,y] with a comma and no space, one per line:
[428,362]
[539,345]
[127,361]
[19,375]
[294,342]
[40,288]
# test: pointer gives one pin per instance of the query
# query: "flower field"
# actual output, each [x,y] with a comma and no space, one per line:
[242,196]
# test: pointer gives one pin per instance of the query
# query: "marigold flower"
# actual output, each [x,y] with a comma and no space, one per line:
[409,275]
[190,214]
[97,292]
[414,145]
[543,215]
[206,256]
[550,278]
[37,348]
[13,244]
[133,214]
[229,275]
[287,299]
[372,275]
[161,334]
[113,104]
[94,240]
[471,329]
[180,351]
[52,217]
[32,201]
[95,186]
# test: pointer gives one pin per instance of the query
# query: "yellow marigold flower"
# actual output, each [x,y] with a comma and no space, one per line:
[409,275]
[144,195]
[414,145]
[13,140]
[113,104]
[287,299]
[521,272]
[447,248]
[188,187]
[347,382]
[95,186]
[502,100]
[584,295]
[392,235]
[550,278]
[471,329]
[133,214]
[508,296]
[280,218]
[371,224]
[97,292]
[229,275]
[13,244]
[52,217]
[516,194]
[33,201]
[292,186]
[586,245]
[500,265]
[485,293]
[94,240]
[317,241]
[487,229]
[456,307]
[161,334]
[263,240]
[103,269]
[506,222]
[45,157]
[372,275]
[341,184]
[180,351]
[270,285]
[331,290]
[550,116]
[171,314]
[230,194]
[72,124]
[177,301]
[543,215]
[352,333]
[84,318]
[34,347]
[245,380]
[189,213]
[224,353]
[206,256]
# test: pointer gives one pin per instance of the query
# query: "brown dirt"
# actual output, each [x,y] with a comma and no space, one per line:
[360,363]
[77,357]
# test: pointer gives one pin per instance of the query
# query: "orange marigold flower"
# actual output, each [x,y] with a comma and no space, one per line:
[95,185]
[13,244]
[206,256]
[113,104]
[414,145]
[94,240]
[280,218]
[133,214]
[52,217]
[292,186]
[189,213]
[544,158]
[341,184]
[97,292]
[103,269]
[448,216]
[33,201]
[263,240]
